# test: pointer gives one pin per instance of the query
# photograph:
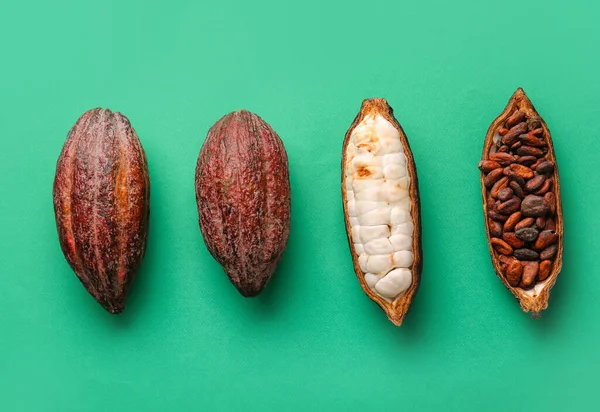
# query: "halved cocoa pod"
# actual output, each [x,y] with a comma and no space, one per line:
[243,196]
[540,204]
[385,241]
[102,203]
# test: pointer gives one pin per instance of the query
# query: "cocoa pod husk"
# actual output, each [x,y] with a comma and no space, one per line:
[396,308]
[547,273]
[102,204]
[243,197]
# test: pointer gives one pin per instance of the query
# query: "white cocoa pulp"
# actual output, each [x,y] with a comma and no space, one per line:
[377,193]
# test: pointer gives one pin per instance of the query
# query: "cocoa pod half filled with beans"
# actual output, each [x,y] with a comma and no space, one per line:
[102,204]
[523,220]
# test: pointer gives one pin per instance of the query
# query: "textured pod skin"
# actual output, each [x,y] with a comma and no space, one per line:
[101,204]
[538,301]
[397,309]
[243,197]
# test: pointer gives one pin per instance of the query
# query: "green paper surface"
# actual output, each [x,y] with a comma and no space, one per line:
[312,341]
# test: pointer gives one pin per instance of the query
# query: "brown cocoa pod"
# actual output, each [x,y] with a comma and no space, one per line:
[492,177]
[388,277]
[545,266]
[498,186]
[501,246]
[545,239]
[544,188]
[529,151]
[527,222]
[243,196]
[511,222]
[510,206]
[534,152]
[517,189]
[101,204]
[487,166]
[535,183]
[514,271]
[495,228]
[504,159]
[512,240]
[530,271]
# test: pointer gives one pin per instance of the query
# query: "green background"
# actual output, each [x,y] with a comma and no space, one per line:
[312,340]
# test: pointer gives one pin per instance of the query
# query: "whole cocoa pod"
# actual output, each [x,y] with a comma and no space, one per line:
[243,197]
[101,204]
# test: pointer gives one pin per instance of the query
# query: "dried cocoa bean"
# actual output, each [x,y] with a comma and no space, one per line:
[534,206]
[523,171]
[534,123]
[545,266]
[545,239]
[513,134]
[487,166]
[550,225]
[503,149]
[529,151]
[544,189]
[501,246]
[516,118]
[505,193]
[530,271]
[495,228]
[492,177]
[101,203]
[492,214]
[535,183]
[517,189]
[512,240]
[549,252]
[502,131]
[510,206]
[545,168]
[511,222]
[527,222]
[527,160]
[514,271]
[550,200]
[530,140]
[527,234]
[526,254]
[498,186]
[387,262]
[504,159]
[514,147]
[243,197]
[540,223]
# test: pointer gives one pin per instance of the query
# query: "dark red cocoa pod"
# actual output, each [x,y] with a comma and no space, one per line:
[102,204]
[243,197]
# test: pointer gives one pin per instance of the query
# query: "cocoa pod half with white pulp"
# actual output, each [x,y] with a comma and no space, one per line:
[243,197]
[101,204]
[380,194]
